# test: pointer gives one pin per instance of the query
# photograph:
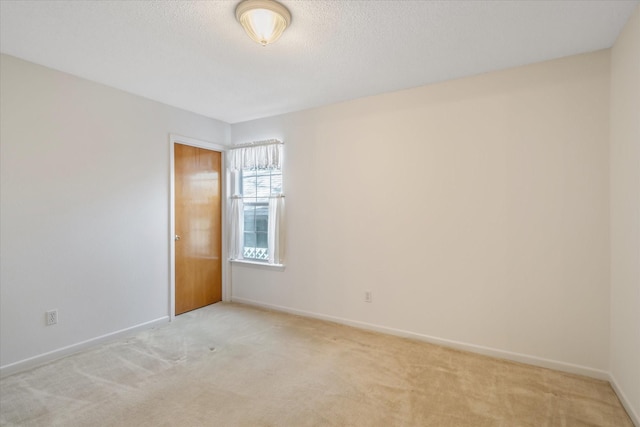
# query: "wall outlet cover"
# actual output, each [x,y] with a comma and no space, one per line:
[51,317]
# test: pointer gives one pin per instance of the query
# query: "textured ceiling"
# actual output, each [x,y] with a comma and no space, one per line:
[194,55]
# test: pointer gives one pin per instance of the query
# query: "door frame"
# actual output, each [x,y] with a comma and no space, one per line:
[179,139]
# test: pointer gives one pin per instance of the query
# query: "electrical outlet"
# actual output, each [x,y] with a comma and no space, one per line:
[368,296]
[51,317]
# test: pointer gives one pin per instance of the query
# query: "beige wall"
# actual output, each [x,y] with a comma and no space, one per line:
[625,215]
[84,178]
[475,210]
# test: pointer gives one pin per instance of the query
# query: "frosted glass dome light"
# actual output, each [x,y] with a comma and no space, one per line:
[263,20]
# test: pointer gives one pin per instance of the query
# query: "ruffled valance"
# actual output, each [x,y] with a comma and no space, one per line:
[260,155]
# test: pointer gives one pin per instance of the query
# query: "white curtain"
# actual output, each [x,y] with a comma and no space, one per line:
[275,230]
[236,234]
[266,156]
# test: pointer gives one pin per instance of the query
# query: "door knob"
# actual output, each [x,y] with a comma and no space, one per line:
[177,238]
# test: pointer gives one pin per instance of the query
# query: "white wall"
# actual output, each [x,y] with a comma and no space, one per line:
[625,215]
[85,187]
[476,211]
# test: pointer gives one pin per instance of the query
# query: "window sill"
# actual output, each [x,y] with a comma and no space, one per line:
[257,264]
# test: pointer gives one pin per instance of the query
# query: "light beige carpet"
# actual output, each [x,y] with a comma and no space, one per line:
[233,365]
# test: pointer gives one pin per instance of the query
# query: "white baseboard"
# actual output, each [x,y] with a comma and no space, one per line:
[41,359]
[625,401]
[487,351]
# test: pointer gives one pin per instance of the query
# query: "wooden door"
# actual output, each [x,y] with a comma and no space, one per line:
[198,227]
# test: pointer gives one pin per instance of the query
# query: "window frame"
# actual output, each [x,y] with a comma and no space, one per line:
[258,199]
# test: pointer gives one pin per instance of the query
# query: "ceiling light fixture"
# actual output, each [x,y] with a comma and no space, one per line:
[263,20]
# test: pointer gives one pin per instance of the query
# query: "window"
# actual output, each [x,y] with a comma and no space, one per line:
[257,187]
[257,204]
